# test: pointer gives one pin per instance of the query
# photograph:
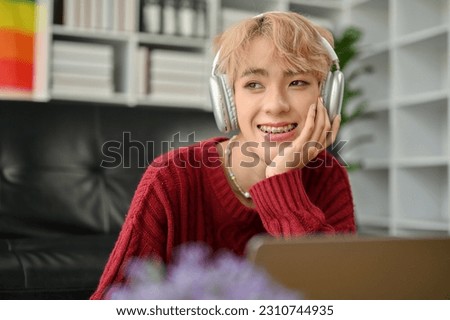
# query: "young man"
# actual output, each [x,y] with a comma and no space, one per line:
[273,177]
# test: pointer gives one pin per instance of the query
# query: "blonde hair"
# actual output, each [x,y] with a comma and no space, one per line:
[296,41]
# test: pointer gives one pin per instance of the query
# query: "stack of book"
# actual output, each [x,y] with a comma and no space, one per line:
[82,68]
[113,15]
[173,76]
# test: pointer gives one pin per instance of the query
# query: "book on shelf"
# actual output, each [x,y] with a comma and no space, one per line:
[81,80]
[82,67]
[106,15]
[164,74]
[96,14]
[178,75]
[84,13]
[82,91]
[70,83]
[178,60]
[92,53]
[177,88]
[78,66]
[83,47]
[131,15]
[143,71]
[182,101]
[113,15]
[177,72]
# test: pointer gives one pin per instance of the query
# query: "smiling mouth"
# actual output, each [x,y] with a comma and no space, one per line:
[277,130]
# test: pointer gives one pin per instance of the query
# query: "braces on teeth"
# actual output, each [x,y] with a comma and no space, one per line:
[267,129]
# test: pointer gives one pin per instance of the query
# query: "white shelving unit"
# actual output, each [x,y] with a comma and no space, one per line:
[402,142]
[57,22]
[403,185]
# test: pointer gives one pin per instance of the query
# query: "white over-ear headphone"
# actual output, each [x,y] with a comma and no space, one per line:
[223,101]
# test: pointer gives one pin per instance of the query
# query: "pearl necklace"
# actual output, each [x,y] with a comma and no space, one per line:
[245,194]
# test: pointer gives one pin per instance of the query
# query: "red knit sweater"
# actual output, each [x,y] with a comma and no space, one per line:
[184,196]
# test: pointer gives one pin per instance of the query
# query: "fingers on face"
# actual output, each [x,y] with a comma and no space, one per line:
[309,126]
[322,126]
[318,132]
[331,137]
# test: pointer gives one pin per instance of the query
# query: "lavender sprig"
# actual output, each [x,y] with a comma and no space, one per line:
[198,274]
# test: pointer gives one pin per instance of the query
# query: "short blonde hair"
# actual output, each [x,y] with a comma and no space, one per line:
[296,40]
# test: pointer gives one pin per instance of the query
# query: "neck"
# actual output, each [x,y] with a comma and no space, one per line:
[242,165]
[228,167]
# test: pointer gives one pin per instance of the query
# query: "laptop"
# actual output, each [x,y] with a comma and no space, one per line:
[355,267]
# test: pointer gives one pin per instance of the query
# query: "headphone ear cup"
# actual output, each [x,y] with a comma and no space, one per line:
[218,104]
[326,90]
[333,93]
[223,103]
[229,103]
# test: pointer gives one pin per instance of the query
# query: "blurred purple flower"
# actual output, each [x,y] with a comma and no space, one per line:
[198,274]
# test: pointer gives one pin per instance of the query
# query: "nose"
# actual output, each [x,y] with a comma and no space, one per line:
[275,101]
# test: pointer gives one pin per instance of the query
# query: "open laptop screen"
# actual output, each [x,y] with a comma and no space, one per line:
[356,267]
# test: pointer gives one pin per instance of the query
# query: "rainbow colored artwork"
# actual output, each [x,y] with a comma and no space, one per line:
[17,34]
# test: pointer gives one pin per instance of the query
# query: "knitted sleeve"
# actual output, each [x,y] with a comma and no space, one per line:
[306,201]
[143,234]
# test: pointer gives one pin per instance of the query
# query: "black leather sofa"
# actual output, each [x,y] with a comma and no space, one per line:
[68,172]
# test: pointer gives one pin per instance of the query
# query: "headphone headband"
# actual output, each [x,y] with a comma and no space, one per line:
[331,54]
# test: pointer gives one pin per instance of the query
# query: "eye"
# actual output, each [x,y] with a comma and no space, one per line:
[299,83]
[253,85]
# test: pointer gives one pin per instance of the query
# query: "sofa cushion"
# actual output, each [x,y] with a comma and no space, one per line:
[68,172]
[72,169]
[53,266]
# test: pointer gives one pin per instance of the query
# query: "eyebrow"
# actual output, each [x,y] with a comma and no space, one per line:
[264,72]
[254,71]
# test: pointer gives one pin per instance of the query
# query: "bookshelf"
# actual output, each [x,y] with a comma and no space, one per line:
[402,187]
[131,31]
[121,28]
